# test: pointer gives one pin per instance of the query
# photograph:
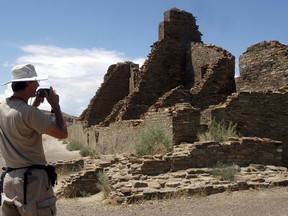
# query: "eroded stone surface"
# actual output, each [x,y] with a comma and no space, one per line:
[130,179]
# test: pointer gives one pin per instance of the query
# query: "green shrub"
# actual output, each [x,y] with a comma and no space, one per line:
[86,151]
[153,140]
[84,193]
[74,145]
[104,184]
[218,131]
[226,171]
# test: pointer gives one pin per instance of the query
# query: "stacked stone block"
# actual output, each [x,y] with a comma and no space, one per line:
[263,67]
[182,172]
[259,114]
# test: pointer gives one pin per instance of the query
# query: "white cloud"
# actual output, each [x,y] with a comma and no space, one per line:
[75,74]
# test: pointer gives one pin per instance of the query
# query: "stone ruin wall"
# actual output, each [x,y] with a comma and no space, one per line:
[211,81]
[165,67]
[117,138]
[182,170]
[264,66]
[181,120]
[214,70]
[206,154]
[213,78]
[258,114]
[179,26]
[115,87]
[184,121]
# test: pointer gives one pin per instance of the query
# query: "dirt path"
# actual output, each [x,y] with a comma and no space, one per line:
[265,202]
[54,149]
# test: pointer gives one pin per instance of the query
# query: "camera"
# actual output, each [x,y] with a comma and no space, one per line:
[41,92]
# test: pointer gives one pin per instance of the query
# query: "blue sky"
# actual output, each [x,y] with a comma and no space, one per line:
[74,42]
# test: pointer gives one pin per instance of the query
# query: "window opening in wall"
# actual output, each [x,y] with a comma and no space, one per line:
[203,71]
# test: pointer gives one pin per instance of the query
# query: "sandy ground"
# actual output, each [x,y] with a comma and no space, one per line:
[264,202]
[54,149]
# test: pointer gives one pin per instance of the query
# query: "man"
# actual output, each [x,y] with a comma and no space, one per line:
[27,189]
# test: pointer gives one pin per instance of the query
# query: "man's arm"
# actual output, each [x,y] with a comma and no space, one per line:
[57,129]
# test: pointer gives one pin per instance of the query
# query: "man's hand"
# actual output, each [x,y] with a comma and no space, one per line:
[38,100]
[59,128]
[52,98]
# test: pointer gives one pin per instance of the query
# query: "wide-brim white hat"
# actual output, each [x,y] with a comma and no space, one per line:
[25,72]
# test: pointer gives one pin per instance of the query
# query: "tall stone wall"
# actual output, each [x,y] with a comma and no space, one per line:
[169,99]
[165,67]
[179,25]
[204,56]
[212,70]
[115,87]
[259,114]
[183,85]
[264,66]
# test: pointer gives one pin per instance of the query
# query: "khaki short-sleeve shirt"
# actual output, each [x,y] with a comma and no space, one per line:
[21,129]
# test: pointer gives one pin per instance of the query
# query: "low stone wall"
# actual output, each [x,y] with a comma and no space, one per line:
[117,138]
[257,114]
[181,122]
[81,184]
[64,166]
[184,169]
[206,154]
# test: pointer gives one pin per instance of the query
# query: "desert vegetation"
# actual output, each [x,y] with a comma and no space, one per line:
[218,131]
[153,140]
[83,150]
[225,171]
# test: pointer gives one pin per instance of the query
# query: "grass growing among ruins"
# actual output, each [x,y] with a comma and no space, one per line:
[84,151]
[104,184]
[226,171]
[153,140]
[87,151]
[218,131]
[74,145]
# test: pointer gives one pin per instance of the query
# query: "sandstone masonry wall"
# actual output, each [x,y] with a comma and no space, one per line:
[182,86]
[260,114]
[207,154]
[115,87]
[120,136]
[214,70]
[192,81]
[165,67]
[180,26]
[183,125]
[212,78]
[183,171]
[264,66]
